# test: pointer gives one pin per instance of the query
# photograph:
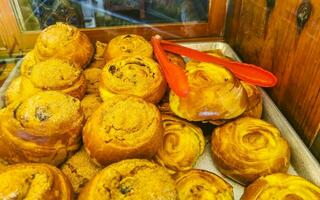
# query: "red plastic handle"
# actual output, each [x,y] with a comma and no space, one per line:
[247,72]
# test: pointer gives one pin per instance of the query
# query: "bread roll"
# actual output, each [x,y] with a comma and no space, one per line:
[248,148]
[131,179]
[123,127]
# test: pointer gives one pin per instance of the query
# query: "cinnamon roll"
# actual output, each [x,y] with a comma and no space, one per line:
[65,42]
[183,144]
[123,127]
[254,108]
[44,128]
[131,179]
[128,45]
[202,185]
[92,76]
[248,148]
[89,104]
[34,181]
[215,94]
[79,169]
[136,75]
[283,187]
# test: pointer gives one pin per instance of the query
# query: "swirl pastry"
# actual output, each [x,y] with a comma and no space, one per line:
[79,169]
[202,185]
[131,179]
[183,144]
[64,42]
[123,127]
[248,148]
[92,76]
[254,108]
[283,187]
[34,182]
[128,45]
[89,104]
[215,94]
[43,128]
[135,75]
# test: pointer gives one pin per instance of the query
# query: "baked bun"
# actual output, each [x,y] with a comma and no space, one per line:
[65,42]
[131,179]
[248,148]
[136,75]
[128,45]
[79,169]
[283,187]
[202,185]
[43,128]
[254,108]
[123,127]
[34,181]
[89,104]
[215,94]
[92,76]
[99,60]
[183,144]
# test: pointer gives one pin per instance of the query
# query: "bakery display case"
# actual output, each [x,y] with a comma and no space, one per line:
[152,99]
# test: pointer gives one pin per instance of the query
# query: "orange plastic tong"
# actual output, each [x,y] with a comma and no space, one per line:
[247,72]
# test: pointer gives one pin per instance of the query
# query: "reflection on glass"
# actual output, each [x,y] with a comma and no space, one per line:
[38,14]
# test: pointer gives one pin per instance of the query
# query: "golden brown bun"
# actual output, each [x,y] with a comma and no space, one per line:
[283,187]
[43,128]
[136,75]
[202,185]
[215,94]
[131,180]
[89,104]
[34,181]
[248,148]
[79,169]
[92,76]
[65,42]
[128,45]
[183,144]
[123,127]
[254,108]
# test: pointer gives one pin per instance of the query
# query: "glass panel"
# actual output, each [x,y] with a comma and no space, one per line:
[38,14]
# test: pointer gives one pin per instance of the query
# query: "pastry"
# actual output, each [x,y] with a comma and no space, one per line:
[123,127]
[283,187]
[136,75]
[215,94]
[65,42]
[131,179]
[99,60]
[92,76]
[28,61]
[254,108]
[183,144]
[79,169]
[34,182]
[248,148]
[89,104]
[202,185]
[44,128]
[128,45]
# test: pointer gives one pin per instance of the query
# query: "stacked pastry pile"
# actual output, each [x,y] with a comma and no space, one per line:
[117,132]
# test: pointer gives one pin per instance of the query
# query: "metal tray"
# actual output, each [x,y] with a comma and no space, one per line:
[302,161]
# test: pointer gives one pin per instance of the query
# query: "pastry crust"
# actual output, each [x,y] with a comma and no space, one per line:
[131,179]
[128,45]
[89,104]
[254,108]
[202,185]
[65,42]
[248,148]
[136,75]
[34,181]
[183,144]
[215,94]
[92,76]
[123,127]
[281,186]
[44,128]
